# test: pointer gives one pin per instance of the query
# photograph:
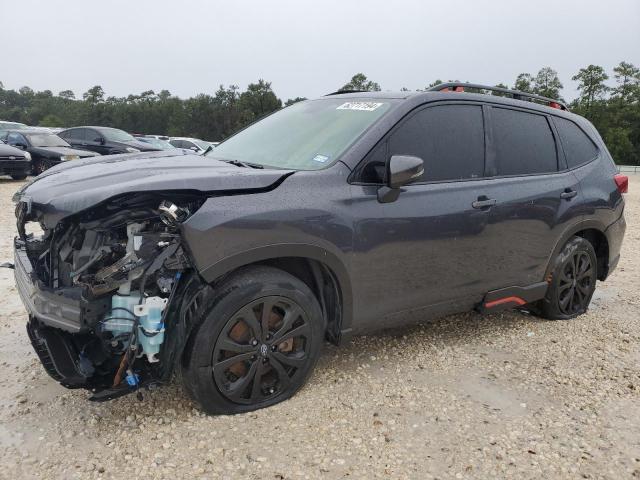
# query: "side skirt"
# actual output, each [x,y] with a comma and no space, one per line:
[511,297]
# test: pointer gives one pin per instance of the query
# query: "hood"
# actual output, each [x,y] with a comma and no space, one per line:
[58,151]
[71,187]
[9,151]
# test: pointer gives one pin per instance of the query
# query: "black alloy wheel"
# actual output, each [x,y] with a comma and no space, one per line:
[573,281]
[257,336]
[260,349]
[575,285]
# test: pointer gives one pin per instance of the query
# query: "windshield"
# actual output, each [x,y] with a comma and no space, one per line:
[47,140]
[115,135]
[200,143]
[305,136]
[12,126]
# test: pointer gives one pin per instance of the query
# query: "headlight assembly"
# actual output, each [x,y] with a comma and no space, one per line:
[27,155]
[65,158]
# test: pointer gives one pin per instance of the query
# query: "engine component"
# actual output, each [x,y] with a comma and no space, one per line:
[171,214]
[151,328]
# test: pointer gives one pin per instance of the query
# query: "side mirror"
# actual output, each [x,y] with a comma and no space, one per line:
[195,149]
[21,146]
[402,170]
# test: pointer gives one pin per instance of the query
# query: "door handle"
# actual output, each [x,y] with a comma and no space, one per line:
[568,193]
[484,202]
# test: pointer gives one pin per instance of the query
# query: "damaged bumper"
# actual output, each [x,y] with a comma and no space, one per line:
[64,309]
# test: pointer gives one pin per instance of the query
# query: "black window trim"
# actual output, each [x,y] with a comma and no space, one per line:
[598,154]
[418,108]
[554,134]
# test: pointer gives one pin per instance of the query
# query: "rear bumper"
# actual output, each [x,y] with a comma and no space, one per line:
[615,235]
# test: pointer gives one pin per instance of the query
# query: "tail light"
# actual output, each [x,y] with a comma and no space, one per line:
[622,182]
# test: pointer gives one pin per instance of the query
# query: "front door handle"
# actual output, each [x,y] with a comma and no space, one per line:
[568,193]
[484,202]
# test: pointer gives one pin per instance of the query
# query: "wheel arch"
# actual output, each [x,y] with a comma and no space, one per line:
[592,231]
[321,270]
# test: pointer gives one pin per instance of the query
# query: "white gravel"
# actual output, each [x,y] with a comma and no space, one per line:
[508,396]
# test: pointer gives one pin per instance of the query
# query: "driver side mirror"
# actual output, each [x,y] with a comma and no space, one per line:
[401,170]
[21,146]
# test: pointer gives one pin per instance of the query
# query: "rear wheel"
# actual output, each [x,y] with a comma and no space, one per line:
[257,344]
[573,281]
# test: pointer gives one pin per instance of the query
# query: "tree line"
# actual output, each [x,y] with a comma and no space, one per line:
[610,101]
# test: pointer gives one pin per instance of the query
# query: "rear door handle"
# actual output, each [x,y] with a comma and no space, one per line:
[484,202]
[568,193]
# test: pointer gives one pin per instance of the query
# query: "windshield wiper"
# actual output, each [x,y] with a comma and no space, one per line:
[238,163]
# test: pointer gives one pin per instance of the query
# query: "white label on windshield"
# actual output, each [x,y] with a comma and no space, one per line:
[363,106]
[320,158]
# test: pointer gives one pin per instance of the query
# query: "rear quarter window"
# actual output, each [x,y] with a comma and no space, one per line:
[524,143]
[578,147]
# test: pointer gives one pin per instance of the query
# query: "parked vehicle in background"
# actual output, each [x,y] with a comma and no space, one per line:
[46,149]
[14,162]
[5,126]
[340,215]
[155,142]
[104,140]
[193,144]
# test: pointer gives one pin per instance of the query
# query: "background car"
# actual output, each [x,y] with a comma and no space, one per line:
[45,149]
[194,144]
[5,126]
[104,140]
[155,142]
[14,162]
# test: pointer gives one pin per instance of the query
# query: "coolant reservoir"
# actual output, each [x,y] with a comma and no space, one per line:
[151,329]
[121,318]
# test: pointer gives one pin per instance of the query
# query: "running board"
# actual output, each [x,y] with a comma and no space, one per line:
[511,297]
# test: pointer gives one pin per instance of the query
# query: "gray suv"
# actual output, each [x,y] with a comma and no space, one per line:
[331,217]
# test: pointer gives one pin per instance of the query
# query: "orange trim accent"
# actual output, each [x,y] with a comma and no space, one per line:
[501,301]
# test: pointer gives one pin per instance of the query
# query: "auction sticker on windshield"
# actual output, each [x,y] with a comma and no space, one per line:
[363,106]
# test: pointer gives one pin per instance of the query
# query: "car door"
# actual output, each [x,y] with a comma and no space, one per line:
[75,137]
[96,142]
[425,251]
[536,197]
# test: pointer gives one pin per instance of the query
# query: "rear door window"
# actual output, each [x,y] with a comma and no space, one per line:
[578,147]
[448,138]
[523,143]
[75,135]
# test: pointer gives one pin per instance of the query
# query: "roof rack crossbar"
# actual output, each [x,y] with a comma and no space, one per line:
[516,94]
[339,92]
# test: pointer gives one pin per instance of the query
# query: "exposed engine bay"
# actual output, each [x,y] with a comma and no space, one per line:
[112,272]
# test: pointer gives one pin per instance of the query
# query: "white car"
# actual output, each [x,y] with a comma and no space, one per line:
[194,144]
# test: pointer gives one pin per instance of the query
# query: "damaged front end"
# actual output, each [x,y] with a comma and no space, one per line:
[103,289]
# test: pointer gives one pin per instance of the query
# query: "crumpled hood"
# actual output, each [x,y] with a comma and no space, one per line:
[71,187]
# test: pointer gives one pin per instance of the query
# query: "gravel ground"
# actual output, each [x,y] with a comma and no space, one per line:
[507,395]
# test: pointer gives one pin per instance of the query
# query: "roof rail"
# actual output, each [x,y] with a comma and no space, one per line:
[516,94]
[345,91]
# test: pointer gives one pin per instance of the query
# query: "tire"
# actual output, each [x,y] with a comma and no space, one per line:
[19,177]
[40,166]
[569,294]
[281,357]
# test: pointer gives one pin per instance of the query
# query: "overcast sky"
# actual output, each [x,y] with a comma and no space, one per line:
[306,48]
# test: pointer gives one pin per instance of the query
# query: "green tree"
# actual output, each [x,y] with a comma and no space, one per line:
[627,76]
[547,83]
[51,120]
[259,99]
[94,95]
[591,84]
[524,83]
[67,94]
[360,82]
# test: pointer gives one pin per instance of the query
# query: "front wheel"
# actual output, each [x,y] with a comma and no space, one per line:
[256,345]
[573,281]
[40,166]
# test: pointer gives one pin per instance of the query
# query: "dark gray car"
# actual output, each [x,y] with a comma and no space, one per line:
[334,216]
